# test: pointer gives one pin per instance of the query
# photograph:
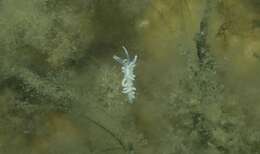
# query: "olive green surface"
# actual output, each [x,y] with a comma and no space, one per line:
[197,77]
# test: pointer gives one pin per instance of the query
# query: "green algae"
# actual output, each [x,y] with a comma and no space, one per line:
[60,88]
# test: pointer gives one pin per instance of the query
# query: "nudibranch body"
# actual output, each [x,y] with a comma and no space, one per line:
[129,76]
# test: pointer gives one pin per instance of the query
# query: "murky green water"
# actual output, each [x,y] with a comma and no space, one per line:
[197,77]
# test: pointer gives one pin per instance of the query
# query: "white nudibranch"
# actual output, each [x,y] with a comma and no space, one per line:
[129,77]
